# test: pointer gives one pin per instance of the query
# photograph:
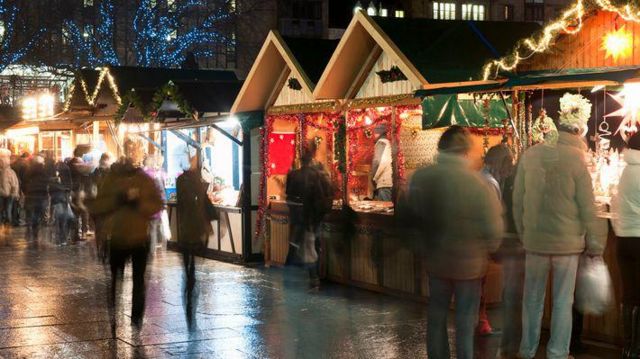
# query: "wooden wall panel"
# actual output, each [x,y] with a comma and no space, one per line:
[363,267]
[279,236]
[399,269]
[373,87]
[289,96]
[585,49]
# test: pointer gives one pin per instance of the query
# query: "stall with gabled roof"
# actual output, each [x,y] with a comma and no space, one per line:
[281,84]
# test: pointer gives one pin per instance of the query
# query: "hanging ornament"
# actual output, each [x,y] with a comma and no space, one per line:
[544,130]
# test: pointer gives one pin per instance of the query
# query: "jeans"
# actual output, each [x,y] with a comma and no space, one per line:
[62,217]
[382,194]
[537,268]
[35,216]
[513,279]
[467,294]
[6,210]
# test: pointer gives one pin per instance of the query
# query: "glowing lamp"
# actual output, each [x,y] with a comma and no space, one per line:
[45,105]
[618,44]
[29,108]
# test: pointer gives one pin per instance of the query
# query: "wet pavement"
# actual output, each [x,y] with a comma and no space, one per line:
[53,305]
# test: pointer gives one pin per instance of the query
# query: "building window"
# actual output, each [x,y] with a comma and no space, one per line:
[473,12]
[88,3]
[444,11]
[508,12]
[534,10]
[399,13]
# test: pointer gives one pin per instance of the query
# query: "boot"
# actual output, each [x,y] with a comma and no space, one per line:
[627,319]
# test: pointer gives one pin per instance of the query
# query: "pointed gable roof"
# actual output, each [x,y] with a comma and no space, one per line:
[303,59]
[427,51]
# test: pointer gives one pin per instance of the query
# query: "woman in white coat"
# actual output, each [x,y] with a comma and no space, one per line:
[626,223]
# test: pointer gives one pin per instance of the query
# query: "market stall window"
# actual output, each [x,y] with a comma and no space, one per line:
[221,159]
[370,172]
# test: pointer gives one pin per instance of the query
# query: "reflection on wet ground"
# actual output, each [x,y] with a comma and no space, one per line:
[53,305]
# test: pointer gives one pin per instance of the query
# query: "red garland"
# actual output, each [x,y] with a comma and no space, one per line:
[262,191]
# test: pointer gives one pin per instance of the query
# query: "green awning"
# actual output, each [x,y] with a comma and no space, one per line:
[447,110]
[250,119]
[612,74]
[458,89]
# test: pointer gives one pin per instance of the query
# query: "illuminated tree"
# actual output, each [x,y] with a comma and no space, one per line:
[163,32]
[94,47]
[163,37]
[15,42]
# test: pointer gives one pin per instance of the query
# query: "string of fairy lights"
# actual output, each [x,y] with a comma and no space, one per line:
[91,98]
[570,22]
[9,52]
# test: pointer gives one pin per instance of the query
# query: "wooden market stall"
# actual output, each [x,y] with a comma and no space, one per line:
[375,71]
[281,84]
[196,119]
[589,50]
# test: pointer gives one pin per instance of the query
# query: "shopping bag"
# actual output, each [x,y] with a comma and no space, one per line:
[302,251]
[594,289]
[165,227]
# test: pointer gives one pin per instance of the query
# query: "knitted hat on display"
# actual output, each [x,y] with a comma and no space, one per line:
[575,111]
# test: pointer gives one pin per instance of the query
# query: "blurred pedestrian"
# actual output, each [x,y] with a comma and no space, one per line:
[9,190]
[499,169]
[36,196]
[101,222]
[80,174]
[60,193]
[459,220]
[130,197]
[626,224]
[553,208]
[20,166]
[153,168]
[195,213]
[309,197]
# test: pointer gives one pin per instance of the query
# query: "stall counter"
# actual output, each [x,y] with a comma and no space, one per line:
[364,249]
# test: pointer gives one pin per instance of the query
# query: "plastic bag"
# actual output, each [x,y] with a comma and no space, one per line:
[165,226]
[594,289]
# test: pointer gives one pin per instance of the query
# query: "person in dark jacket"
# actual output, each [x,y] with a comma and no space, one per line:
[80,173]
[36,196]
[60,192]
[98,178]
[310,198]
[195,213]
[130,198]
